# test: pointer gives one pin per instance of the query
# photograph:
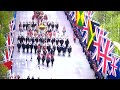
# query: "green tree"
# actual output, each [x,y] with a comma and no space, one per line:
[3,71]
[5,17]
[110,21]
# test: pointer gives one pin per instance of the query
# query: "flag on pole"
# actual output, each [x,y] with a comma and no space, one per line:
[97,41]
[85,31]
[105,55]
[80,18]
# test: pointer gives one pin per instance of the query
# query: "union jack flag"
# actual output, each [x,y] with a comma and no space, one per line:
[97,41]
[89,13]
[114,67]
[105,55]
[85,31]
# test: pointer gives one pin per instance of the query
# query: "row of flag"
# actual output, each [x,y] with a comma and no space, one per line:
[10,43]
[97,41]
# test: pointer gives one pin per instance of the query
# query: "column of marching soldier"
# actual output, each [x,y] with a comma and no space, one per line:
[44,45]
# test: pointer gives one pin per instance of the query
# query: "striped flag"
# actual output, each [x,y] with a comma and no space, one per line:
[6,55]
[8,40]
[80,18]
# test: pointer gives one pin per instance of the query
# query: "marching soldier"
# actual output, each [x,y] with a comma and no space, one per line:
[31,46]
[52,25]
[52,59]
[33,25]
[52,51]
[58,48]
[19,46]
[61,41]
[48,47]
[43,58]
[27,47]
[48,57]
[69,50]
[27,25]
[64,50]
[57,41]
[32,39]
[22,39]
[35,47]
[54,48]
[20,26]
[27,39]
[23,46]
[67,42]
[56,26]
[48,39]
[48,24]
[18,39]
[24,25]
[38,58]
[36,39]
[53,40]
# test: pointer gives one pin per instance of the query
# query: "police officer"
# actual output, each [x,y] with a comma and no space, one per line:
[69,50]
[19,46]
[31,46]
[27,47]
[23,46]
[35,47]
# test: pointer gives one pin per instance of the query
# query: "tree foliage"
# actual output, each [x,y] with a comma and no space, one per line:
[110,21]
[3,71]
[5,18]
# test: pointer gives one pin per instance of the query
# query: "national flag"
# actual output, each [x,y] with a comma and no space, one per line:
[89,13]
[97,41]
[8,40]
[8,64]
[6,55]
[79,18]
[105,55]
[114,66]
[91,34]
